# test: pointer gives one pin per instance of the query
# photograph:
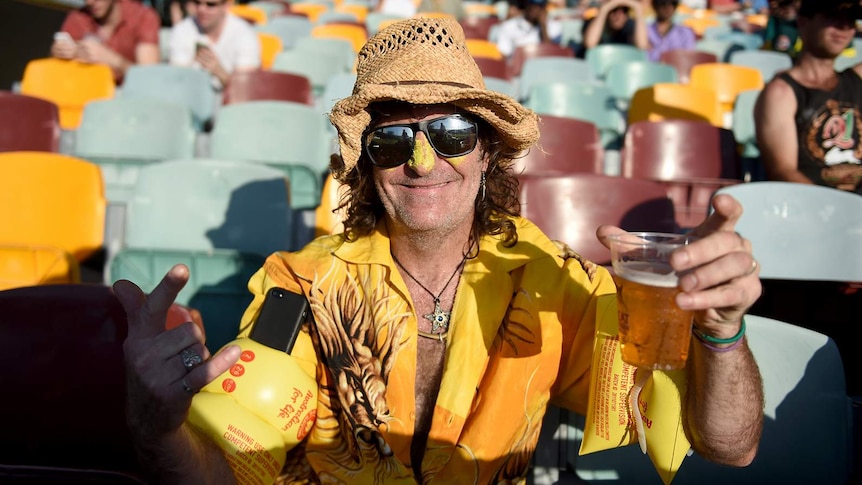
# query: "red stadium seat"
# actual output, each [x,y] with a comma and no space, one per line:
[28,124]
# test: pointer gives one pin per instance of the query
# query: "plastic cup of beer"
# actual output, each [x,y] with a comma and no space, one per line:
[654,332]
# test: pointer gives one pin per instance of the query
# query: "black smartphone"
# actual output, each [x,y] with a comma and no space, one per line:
[280,319]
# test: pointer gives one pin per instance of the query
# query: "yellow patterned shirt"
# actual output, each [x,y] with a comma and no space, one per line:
[521,337]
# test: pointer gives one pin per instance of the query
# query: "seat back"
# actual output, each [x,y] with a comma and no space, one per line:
[61,355]
[339,17]
[682,60]
[249,13]
[524,52]
[277,133]
[700,24]
[767,62]
[496,68]
[247,86]
[68,84]
[272,8]
[270,46]
[374,19]
[358,11]
[309,9]
[483,48]
[288,28]
[28,123]
[548,70]
[743,123]
[726,80]
[339,86]
[501,86]
[212,204]
[721,49]
[603,56]
[565,145]
[587,102]
[186,86]
[53,200]
[36,265]
[679,149]
[479,26]
[356,35]
[807,419]
[800,231]
[625,78]
[665,101]
[217,287]
[570,208]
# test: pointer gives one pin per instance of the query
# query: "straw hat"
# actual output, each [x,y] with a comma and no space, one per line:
[423,61]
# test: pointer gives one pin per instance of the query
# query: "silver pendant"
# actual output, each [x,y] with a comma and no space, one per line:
[439,319]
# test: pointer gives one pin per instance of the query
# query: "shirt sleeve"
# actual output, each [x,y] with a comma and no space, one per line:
[182,45]
[505,43]
[148,27]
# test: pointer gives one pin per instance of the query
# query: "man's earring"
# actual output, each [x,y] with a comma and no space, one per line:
[482,185]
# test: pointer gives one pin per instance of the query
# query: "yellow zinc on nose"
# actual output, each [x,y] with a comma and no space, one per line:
[423,158]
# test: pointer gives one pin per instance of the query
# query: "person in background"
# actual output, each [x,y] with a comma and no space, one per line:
[665,35]
[613,25]
[808,118]
[528,25]
[213,39]
[782,32]
[119,33]
[439,309]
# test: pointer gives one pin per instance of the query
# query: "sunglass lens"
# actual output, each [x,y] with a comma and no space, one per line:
[453,136]
[390,146]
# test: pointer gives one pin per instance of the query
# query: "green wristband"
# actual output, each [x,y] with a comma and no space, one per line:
[699,334]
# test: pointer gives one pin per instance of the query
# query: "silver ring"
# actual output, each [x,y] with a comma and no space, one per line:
[187,387]
[753,267]
[191,359]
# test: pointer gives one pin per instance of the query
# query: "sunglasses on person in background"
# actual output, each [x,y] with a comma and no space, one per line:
[211,4]
[451,136]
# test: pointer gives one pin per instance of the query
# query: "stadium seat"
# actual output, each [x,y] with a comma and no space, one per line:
[727,81]
[566,145]
[373,21]
[522,53]
[497,68]
[68,84]
[682,60]
[483,48]
[270,46]
[743,123]
[36,265]
[357,36]
[479,27]
[570,207]
[550,70]
[272,8]
[288,28]
[359,11]
[767,62]
[675,101]
[339,86]
[181,85]
[501,86]
[268,86]
[251,14]
[28,123]
[625,78]
[586,102]
[603,56]
[310,10]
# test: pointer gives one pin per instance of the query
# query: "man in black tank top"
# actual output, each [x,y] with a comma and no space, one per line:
[809,118]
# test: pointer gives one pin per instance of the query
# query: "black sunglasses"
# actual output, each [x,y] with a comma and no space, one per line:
[451,136]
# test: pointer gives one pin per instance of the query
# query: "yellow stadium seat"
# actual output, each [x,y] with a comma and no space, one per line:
[700,24]
[386,23]
[474,9]
[250,13]
[672,101]
[310,10]
[51,200]
[726,80]
[325,220]
[483,48]
[36,265]
[759,20]
[270,46]
[354,34]
[359,11]
[435,15]
[68,84]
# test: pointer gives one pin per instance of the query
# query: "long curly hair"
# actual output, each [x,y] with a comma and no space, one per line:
[493,214]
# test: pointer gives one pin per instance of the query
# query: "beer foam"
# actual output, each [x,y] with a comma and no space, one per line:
[649,274]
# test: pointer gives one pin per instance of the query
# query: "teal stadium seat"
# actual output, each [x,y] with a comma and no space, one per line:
[767,62]
[743,123]
[318,66]
[290,136]
[625,78]
[374,19]
[181,85]
[551,69]
[339,86]
[585,102]
[288,28]
[602,57]
[501,86]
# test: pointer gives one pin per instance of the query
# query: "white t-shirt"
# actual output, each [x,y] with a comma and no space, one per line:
[236,47]
[517,32]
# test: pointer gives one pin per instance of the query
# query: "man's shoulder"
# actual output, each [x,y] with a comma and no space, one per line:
[138,12]
[236,26]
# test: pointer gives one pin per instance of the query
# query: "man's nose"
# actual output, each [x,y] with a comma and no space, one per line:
[424,157]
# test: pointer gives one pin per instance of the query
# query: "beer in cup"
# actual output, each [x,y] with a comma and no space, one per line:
[654,332]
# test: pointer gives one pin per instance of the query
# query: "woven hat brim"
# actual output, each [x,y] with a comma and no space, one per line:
[517,125]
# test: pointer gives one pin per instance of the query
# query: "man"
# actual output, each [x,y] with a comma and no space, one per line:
[443,322]
[808,118]
[213,39]
[664,35]
[613,25]
[529,26]
[119,33]
[782,33]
